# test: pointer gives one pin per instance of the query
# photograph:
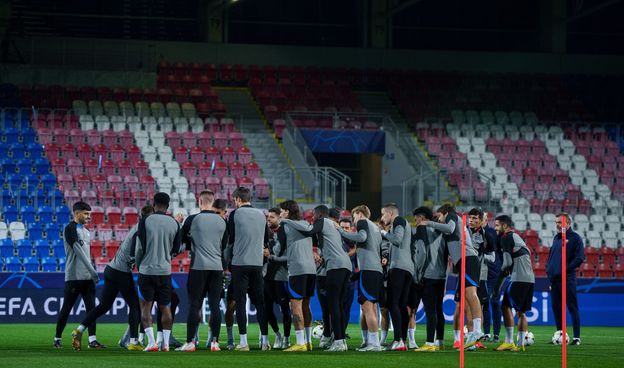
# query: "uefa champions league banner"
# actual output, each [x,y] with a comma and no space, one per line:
[37,298]
[345,141]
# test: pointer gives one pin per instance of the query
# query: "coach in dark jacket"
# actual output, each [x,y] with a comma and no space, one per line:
[575,256]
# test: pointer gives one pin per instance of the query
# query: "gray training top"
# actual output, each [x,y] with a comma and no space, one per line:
[298,250]
[522,270]
[452,235]
[78,252]
[124,257]
[329,242]
[437,256]
[248,233]
[159,239]
[204,234]
[401,250]
[420,243]
[368,243]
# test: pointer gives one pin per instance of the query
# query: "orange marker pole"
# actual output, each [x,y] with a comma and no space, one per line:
[462,300]
[564,292]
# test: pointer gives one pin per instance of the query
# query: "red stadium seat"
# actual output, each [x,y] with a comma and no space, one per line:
[236,170]
[97,215]
[114,215]
[588,270]
[121,231]
[131,215]
[262,188]
[252,170]
[112,246]
[212,154]
[96,248]
[213,184]
[607,255]
[247,183]
[605,271]
[244,155]
[228,155]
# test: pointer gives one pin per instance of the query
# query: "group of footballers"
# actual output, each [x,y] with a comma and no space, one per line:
[282,259]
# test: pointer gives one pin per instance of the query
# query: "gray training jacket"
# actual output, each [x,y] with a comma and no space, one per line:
[420,243]
[248,233]
[124,257]
[453,237]
[77,242]
[329,241]
[298,250]
[513,245]
[206,236]
[368,242]
[401,250]
[437,256]
[159,239]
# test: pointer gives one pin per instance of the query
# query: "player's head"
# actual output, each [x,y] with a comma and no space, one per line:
[559,221]
[445,210]
[360,212]
[290,210]
[389,212]
[206,198]
[161,202]
[147,210]
[346,224]
[321,211]
[475,218]
[422,213]
[82,212]
[502,224]
[242,196]
[219,206]
[273,217]
[334,214]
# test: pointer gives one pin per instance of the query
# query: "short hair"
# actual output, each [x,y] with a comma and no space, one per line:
[447,208]
[81,206]
[504,219]
[207,193]
[147,210]
[345,219]
[161,199]
[334,213]
[391,206]
[275,210]
[363,209]
[424,211]
[567,216]
[321,211]
[476,212]
[294,213]
[220,204]
[242,193]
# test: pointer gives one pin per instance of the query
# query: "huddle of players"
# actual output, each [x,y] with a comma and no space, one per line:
[415,261]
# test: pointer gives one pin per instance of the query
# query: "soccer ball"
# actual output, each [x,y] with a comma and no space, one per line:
[557,338]
[317,332]
[529,339]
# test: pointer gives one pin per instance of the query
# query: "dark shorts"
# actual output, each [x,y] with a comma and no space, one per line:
[370,286]
[155,289]
[415,295]
[473,274]
[519,296]
[301,286]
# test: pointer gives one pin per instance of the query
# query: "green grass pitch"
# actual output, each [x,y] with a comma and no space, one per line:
[30,345]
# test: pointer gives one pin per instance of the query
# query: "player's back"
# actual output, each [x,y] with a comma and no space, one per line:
[158,235]
[369,251]
[299,251]
[333,252]
[522,270]
[121,261]
[248,232]
[207,230]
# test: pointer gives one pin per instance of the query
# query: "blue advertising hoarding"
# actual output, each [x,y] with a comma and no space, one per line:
[37,298]
[345,141]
